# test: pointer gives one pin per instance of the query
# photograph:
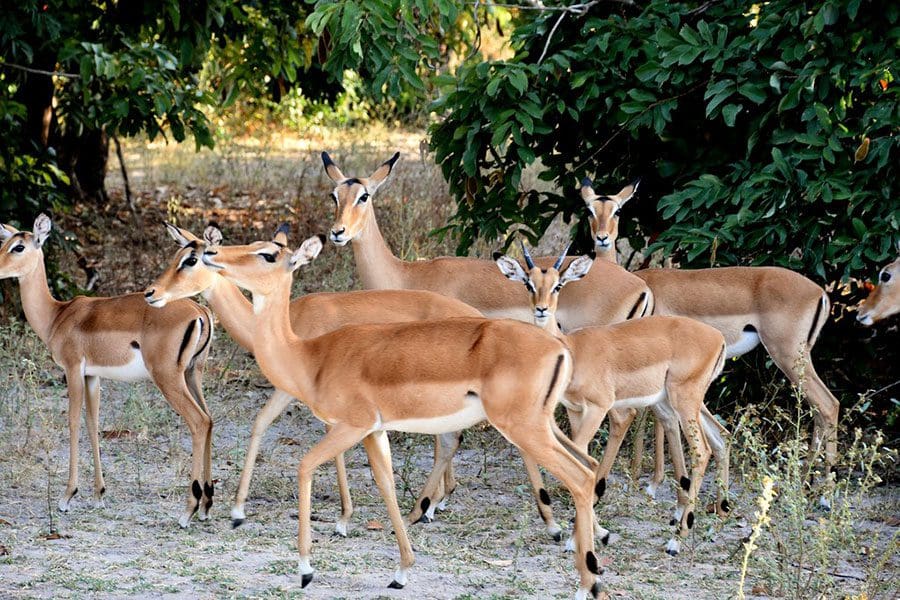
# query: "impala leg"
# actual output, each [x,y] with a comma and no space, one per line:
[92,419]
[336,440]
[591,418]
[619,422]
[666,416]
[379,451]
[717,436]
[75,388]
[445,447]
[542,498]
[174,387]
[343,522]
[194,378]
[450,482]
[700,454]
[659,458]
[640,432]
[264,418]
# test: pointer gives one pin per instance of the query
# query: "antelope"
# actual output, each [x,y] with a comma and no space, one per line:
[311,316]
[664,363]
[604,212]
[120,338]
[425,377]
[472,280]
[884,300]
[782,309]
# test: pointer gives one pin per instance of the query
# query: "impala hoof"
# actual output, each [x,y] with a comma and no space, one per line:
[395,586]
[605,539]
[237,516]
[673,547]
[305,579]
[424,519]
[340,529]
[557,536]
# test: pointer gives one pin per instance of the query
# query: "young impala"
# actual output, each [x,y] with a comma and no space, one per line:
[311,316]
[119,338]
[782,309]
[426,377]
[609,294]
[884,300]
[665,363]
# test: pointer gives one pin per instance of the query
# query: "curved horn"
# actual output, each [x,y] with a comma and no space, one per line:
[562,257]
[528,260]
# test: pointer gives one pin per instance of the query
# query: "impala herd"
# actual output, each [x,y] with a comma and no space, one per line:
[436,346]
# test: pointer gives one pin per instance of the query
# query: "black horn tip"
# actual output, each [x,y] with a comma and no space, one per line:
[586,182]
[326,159]
[636,183]
[392,159]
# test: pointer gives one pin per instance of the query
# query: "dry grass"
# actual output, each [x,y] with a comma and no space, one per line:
[488,544]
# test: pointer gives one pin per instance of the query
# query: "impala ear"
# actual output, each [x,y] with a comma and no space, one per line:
[511,268]
[182,236]
[587,190]
[7,231]
[307,251]
[381,173]
[627,192]
[41,229]
[331,169]
[212,235]
[280,236]
[578,268]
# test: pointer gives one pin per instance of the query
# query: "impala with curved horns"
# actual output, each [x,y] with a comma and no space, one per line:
[118,338]
[664,363]
[426,377]
[779,308]
[884,300]
[311,316]
[472,280]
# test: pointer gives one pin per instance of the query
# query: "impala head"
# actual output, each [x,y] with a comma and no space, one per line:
[604,213]
[884,300]
[352,198]
[262,267]
[186,274]
[544,285]
[21,251]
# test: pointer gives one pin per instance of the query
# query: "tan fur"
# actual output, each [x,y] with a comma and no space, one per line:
[311,315]
[364,379]
[635,359]
[603,216]
[474,281]
[884,301]
[90,334]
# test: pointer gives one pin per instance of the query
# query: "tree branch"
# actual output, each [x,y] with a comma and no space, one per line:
[40,71]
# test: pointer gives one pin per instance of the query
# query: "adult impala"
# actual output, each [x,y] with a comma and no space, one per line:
[311,316]
[782,309]
[664,363]
[426,377]
[884,300]
[118,338]
[609,294]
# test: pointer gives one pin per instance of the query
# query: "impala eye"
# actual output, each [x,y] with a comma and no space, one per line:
[557,288]
[362,199]
[190,261]
[616,214]
[19,248]
[270,258]
[885,277]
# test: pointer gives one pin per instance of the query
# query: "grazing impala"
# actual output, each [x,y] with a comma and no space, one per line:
[609,294]
[782,309]
[426,377]
[884,300]
[664,363]
[119,338]
[311,316]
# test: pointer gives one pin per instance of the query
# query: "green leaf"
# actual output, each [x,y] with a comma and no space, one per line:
[518,80]
[730,112]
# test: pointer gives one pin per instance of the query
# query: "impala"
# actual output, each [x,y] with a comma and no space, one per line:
[884,300]
[604,212]
[472,280]
[664,363]
[119,338]
[426,377]
[311,316]
[782,309]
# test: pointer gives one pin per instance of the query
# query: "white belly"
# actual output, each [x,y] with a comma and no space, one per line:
[470,414]
[640,401]
[135,370]
[747,342]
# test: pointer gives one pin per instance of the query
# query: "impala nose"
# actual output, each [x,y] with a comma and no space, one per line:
[336,233]
[149,293]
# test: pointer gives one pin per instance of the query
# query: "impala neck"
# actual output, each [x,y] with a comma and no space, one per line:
[41,309]
[552,327]
[233,309]
[282,356]
[377,266]
[609,255]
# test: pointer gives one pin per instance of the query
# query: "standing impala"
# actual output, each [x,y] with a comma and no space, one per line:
[884,300]
[119,338]
[664,363]
[782,309]
[609,294]
[424,377]
[311,316]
